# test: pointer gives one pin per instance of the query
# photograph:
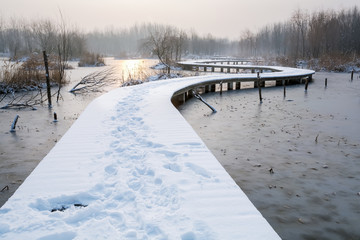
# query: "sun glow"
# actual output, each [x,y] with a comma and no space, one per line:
[132,70]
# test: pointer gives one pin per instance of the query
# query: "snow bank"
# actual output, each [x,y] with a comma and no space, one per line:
[131,167]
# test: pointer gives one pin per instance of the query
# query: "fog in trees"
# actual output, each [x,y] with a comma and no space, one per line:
[319,35]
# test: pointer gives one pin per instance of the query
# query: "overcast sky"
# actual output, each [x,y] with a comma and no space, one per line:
[221,18]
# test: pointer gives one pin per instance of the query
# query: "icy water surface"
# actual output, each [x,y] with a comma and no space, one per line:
[297,158]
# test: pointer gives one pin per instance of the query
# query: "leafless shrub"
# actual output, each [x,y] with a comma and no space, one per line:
[91,59]
[27,75]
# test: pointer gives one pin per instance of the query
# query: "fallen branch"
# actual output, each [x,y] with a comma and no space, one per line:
[24,100]
[5,188]
[196,95]
[95,81]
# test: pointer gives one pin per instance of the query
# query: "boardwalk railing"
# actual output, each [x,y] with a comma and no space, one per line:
[279,75]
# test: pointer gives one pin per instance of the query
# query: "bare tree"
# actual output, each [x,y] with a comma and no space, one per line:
[160,43]
[300,20]
[179,44]
[248,42]
[45,34]
[13,38]
[63,52]
[2,37]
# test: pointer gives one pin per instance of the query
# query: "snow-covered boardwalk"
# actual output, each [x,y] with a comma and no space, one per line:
[131,167]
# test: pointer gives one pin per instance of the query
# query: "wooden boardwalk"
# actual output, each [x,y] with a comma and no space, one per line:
[131,167]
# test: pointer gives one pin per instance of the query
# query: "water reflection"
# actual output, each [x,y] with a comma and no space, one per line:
[133,69]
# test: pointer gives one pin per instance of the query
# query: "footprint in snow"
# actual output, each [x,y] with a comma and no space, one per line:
[198,170]
[168,154]
[173,167]
[63,235]
[111,170]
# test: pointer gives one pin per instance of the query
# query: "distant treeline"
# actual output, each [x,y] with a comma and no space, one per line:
[19,38]
[129,42]
[330,33]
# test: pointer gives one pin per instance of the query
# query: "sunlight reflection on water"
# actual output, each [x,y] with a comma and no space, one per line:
[133,69]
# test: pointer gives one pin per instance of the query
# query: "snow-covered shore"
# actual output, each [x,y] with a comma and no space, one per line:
[131,167]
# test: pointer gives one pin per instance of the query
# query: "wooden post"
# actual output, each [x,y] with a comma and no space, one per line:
[284,83]
[306,84]
[352,74]
[189,94]
[13,125]
[47,79]
[325,82]
[259,86]
[55,117]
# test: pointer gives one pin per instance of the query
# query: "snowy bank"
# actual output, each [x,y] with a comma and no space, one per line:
[131,167]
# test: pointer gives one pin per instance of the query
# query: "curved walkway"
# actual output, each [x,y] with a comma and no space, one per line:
[131,167]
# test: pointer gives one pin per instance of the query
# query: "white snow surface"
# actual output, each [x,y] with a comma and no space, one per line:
[131,167]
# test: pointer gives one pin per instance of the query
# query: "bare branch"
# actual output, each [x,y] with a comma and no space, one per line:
[96,80]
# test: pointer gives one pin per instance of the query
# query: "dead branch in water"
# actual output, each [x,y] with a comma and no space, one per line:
[3,96]
[316,139]
[25,100]
[94,81]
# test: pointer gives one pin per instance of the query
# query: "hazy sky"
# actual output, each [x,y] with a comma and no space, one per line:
[225,18]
